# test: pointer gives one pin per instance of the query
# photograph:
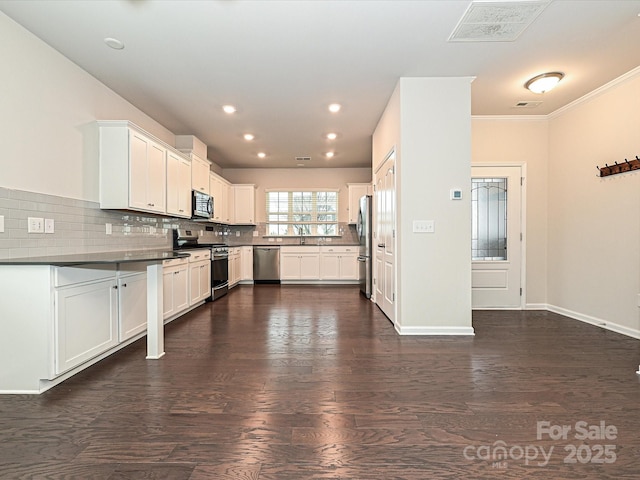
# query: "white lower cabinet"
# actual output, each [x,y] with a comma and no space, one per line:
[132,304]
[175,286]
[199,275]
[299,263]
[338,263]
[235,270]
[317,264]
[59,320]
[85,316]
[246,263]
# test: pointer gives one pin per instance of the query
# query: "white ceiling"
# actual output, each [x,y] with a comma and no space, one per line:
[282,62]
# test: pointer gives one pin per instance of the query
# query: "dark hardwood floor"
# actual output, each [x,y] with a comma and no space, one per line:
[290,382]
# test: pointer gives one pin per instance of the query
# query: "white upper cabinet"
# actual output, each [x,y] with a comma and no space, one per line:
[178,185]
[356,191]
[217,191]
[200,169]
[132,169]
[244,203]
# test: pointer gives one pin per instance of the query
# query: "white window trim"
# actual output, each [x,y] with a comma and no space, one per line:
[290,223]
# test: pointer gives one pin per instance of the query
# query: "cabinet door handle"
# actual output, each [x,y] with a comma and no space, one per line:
[124,284]
[115,287]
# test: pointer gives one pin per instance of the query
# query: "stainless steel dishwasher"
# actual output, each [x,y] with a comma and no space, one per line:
[266,264]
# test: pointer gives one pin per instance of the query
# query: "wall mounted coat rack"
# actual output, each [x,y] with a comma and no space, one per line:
[626,166]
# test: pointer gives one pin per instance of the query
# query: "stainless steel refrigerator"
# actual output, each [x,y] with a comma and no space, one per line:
[363,228]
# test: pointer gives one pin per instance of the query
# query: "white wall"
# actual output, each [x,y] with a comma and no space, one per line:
[47,108]
[429,122]
[522,140]
[285,178]
[594,223]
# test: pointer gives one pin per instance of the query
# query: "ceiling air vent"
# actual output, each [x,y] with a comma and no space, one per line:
[526,104]
[303,159]
[496,21]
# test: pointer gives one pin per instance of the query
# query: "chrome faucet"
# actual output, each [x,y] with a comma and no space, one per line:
[301,234]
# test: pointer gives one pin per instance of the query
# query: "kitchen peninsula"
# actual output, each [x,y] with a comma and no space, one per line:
[61,314]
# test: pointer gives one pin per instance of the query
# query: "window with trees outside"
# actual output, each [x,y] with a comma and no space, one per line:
[302,212]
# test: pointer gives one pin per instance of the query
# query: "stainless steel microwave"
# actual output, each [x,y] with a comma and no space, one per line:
[202,206]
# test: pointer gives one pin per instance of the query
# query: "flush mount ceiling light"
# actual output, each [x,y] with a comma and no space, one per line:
[262,154]
[329,154]
[335,107]
[248,136]
[229,109]
[543,83]
[332,136]
[114,43]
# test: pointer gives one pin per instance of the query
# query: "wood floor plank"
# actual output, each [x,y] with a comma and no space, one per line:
[313,382]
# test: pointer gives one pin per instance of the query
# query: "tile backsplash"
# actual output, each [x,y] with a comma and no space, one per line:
[81,227]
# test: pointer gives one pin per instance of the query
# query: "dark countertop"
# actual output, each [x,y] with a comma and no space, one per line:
[282,244]
[103,257]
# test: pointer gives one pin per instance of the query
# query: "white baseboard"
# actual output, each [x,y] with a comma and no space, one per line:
[536,306]
[434,330]
[598,322]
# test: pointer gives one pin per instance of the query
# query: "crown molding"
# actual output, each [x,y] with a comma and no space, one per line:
[518,118]
[630,75]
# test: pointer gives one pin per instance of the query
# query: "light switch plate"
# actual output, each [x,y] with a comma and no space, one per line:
[1,223]
[108,229]
[424,226]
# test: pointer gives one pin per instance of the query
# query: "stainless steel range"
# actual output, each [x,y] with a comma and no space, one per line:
[219,270]
[189,239]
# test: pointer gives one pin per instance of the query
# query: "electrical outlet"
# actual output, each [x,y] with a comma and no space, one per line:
[35,225]
[49,225]
[1,223]
[108,228]
[237,234]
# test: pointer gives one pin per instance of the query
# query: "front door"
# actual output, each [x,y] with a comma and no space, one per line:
[496,248]
[384,240]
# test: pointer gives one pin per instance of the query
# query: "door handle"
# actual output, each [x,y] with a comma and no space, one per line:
[381,245]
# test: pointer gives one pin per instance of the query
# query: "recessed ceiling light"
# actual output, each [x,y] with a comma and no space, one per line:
[114,43]
[332,136]
[262,154]
[335,107]
[229,109]
[545,82]
[329,154]
[248,136]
